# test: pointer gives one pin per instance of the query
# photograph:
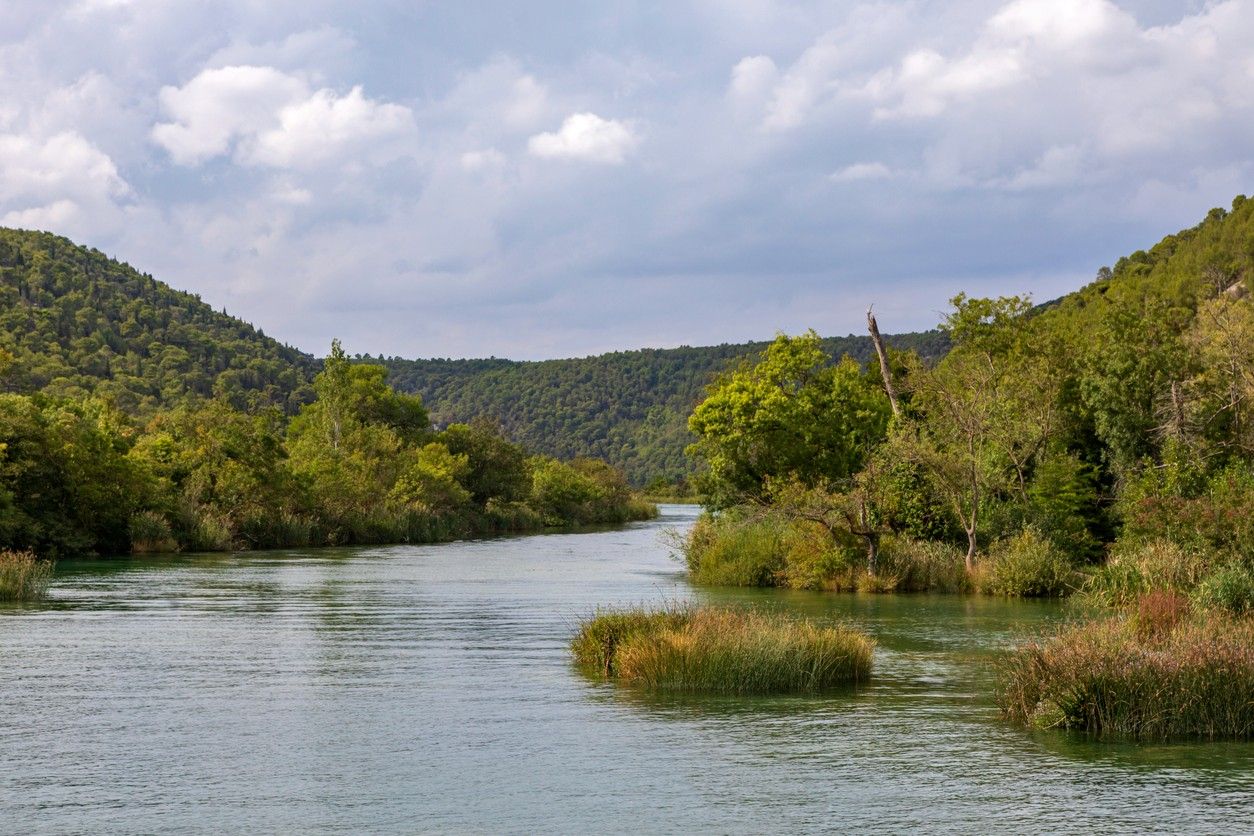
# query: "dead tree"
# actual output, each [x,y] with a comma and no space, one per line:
[885,371]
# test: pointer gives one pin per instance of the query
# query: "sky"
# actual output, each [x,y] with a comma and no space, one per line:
[542,179]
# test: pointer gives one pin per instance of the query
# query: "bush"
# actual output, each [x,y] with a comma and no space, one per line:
[23,577]
[714,650]
[1109,678]
[919,566]
[1025,566]
[735,549]
[727,550]
[1229,588]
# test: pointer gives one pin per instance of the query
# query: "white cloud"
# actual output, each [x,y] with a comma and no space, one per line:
[588,137]
[752,80]
[220,105]
[327,127]
[861,171]
[271,118]
[57,182]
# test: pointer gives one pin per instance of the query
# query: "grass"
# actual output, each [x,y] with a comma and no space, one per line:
[718,650]
[23,577]
[1159,673]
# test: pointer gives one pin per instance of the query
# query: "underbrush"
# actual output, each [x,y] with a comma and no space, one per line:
[1159,672]
[716,650]
[23,577]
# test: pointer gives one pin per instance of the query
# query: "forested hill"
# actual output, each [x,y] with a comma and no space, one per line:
[630,408]
[75,322]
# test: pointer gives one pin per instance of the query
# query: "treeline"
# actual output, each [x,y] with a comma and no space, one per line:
[76,323]
[629,408]
[358,464]
[1103,442]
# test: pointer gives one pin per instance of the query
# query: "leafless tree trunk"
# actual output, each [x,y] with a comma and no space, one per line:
[885,371]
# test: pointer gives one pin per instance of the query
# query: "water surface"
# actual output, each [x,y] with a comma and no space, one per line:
[428,688]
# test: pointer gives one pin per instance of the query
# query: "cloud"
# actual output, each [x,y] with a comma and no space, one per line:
[271,118]
[861,171]
[487,158]
[57,182]
[587,137]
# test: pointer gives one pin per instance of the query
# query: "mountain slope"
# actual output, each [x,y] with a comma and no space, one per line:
[76,321]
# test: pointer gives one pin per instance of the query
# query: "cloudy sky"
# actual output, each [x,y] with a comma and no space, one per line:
[546,179]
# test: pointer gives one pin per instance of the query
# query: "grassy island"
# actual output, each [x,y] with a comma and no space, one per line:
[718,650]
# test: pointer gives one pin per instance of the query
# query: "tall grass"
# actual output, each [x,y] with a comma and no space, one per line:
[23,577]
[1158,674]
[716,650]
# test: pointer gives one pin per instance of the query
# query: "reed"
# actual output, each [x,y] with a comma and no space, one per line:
[23,577]
[1155,675]
[718,650]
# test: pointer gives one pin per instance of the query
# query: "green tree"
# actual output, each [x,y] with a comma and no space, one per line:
[791,415]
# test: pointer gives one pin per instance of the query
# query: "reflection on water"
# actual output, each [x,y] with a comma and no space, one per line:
[429,688]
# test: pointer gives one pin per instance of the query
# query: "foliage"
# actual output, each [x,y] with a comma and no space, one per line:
[1109,678]
[790,415]
[23,577]
[712,650]
[1027,565]
[629,408]
[67,484]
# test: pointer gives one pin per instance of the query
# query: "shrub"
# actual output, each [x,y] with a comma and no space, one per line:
[23,577]
[1229,588]
[726,550]
[715,650]
[1027,565]
[1195,679]
[918,566]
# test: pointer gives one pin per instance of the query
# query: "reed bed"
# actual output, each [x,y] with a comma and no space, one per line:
[718,650]
[1158,674]
[23,577]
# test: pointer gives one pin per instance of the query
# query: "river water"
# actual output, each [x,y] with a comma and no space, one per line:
[429,688]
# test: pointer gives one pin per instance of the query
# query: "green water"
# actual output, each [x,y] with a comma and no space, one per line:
[428,688]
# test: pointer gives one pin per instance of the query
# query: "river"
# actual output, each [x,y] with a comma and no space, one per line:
[429,688]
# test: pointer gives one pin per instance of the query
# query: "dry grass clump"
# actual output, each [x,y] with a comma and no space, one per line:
[1157,674]
[23,577]
[718,650]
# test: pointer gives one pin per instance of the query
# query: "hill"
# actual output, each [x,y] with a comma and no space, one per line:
[75,321]
[630,408]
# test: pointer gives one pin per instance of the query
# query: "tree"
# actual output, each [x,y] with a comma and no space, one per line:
[791,415]
[988,409]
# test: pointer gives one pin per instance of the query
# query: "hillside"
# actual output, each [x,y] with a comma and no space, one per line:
[76,321]
[630,408]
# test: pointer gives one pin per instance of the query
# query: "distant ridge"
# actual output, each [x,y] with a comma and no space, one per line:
[628,407]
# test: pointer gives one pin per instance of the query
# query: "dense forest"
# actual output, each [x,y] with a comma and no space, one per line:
[1110,428]
[630,408]
[75,322]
